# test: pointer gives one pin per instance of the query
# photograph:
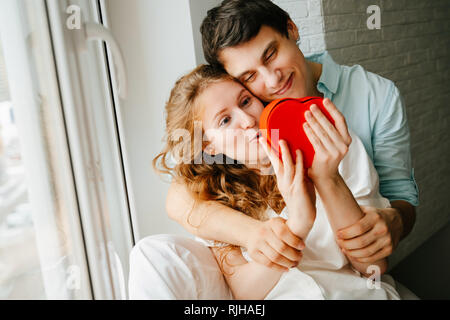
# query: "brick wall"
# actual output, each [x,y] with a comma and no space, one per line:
[412,48]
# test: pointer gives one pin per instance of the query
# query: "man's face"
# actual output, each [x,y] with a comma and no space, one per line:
[270,65]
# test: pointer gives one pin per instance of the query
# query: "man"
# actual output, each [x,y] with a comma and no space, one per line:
[256,42]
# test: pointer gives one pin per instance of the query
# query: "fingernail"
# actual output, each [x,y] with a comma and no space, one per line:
[314,107]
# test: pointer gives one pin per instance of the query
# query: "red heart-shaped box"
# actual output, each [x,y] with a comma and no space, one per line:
[288,115]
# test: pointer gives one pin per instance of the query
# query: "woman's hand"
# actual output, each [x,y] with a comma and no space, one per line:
[273,244]
[330,143]
[297,190]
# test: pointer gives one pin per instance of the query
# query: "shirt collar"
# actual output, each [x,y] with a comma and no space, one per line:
[329,78]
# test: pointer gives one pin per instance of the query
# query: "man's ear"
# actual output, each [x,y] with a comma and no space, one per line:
[292,30]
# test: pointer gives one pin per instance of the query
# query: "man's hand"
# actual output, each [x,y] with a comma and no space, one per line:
[274,245]
[373,237]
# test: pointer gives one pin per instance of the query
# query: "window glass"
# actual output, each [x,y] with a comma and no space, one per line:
[41,245]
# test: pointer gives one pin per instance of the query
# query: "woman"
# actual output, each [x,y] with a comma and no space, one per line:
[258,184]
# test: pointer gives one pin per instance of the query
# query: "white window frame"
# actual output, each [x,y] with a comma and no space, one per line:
[94,144]
[89,152]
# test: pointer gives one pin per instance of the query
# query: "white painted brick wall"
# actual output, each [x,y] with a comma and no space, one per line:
[307,15]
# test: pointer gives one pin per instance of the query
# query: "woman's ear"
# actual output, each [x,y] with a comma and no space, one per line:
[209,149]
[292,30]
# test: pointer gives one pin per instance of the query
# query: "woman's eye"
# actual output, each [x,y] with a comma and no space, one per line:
[245,102]
[224,121]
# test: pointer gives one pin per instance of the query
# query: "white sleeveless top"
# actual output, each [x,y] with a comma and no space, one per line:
[324,271]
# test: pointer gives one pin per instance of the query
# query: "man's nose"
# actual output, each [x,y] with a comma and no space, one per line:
[271,77]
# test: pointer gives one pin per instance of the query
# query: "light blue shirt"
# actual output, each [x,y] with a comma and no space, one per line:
[373,109]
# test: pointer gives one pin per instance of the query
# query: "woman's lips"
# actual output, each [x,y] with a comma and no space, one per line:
[286,87]
[256,137]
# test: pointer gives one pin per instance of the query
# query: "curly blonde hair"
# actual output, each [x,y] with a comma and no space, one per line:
[231,184]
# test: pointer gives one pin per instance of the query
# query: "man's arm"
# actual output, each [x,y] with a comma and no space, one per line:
[392,159]
[407,217]
[208,220]
[270,243]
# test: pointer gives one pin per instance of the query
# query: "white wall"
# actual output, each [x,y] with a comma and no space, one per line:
[157,43]
[199,10]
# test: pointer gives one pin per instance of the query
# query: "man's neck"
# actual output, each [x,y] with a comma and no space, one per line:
[315,71]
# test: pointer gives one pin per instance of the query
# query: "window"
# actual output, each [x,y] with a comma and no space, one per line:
[65,229]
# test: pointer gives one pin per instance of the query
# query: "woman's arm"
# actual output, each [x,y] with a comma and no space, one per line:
[343,211]
[330,147]
[296,188]
[270,243]
[247,280]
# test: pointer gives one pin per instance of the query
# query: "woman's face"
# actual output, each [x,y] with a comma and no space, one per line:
[230,118]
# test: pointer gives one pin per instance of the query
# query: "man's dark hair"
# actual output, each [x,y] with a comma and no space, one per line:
[237,21]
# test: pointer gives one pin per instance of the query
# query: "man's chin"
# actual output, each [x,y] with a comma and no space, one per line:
[291,94]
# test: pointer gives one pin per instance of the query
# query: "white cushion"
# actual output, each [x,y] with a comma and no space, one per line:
[167,267]
[174,267]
